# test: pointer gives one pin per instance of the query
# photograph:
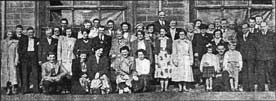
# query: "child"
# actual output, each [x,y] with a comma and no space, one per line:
[105,88]
[143,68]
[208,66]
[124,85]
[96,84]
[233,64]
[84,82]
[131,83]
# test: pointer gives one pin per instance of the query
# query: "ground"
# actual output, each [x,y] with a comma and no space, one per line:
[172,95]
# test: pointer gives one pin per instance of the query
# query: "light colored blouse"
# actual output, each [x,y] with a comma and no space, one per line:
[142,66]
[209,59]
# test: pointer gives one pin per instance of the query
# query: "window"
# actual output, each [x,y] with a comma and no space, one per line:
[233,10]
[78,11]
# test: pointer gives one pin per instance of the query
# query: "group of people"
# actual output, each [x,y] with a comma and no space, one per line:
[101,59]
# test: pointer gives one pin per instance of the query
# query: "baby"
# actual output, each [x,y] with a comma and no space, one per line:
[96,84]
[128,81]
[84,82]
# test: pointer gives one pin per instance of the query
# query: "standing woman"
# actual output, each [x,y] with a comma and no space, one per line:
[182,59]
[163,51]
[9,61]
[65,54]
[127,34]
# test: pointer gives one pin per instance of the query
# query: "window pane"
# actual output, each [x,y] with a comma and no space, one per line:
[265,13]
[236,14]
[81,15]
[236,2]
[120,3]
[85,2]
[208,2]
[261,1]
[114,15]
[208,15]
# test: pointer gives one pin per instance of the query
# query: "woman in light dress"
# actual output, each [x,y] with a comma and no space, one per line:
[9,61]
[182,59]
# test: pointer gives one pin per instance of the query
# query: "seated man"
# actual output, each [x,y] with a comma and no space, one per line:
[52,75]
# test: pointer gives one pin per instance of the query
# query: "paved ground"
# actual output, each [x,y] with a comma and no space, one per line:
[161,96]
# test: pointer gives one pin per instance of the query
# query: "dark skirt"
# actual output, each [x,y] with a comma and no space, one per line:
[208,71]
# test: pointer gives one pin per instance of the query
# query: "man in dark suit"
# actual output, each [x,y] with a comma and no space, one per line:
[27,50]
[84,44]
[173,32]
[161,23]
[266,56]
[63,25]
[102,40]
[98,63]
[200,41]
[248,51]
[46,45]
[19,36]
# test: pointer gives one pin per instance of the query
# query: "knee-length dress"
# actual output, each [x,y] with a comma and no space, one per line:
[163,51]
[183,59]
[9,61]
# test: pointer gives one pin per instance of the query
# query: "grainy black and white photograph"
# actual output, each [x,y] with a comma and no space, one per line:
[128,50]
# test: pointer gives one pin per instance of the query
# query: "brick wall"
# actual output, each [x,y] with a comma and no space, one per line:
[20,12]
[146,11]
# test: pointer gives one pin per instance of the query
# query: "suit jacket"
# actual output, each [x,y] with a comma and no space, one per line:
[247,47]
[102,67]
[23,47]
[81,46]
[168,46]
[158,26]
[199,44]
[44,48]
[149,50]
[106,43]
[176,36]
[49,71]
[266,46]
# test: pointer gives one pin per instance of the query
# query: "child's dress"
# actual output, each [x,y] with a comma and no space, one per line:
[164,68]
[95,86]
[209,65]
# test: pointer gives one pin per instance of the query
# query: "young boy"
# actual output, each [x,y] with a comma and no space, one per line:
[143,68]
[233,64]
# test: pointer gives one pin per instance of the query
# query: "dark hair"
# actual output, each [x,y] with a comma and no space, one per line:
[141,50]
[129,26]
[197,21]
[64,19]
[68,28]
[18,26]
[211,24]
[173,20]
[218,30]
[124,48]
[160,12]
[99,46]
[51,53]
[85,30]
[87,21]
[258,16]
[102,26]
[58,29]
[96,19]
[30,28]
[13,34]
[252,18]
[182,30]
[203,26]
[149,25]
[110,21]
[142,32]
[223,20]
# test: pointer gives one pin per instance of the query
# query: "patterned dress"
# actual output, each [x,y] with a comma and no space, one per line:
[163,69]
[9,61]
[183,59]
